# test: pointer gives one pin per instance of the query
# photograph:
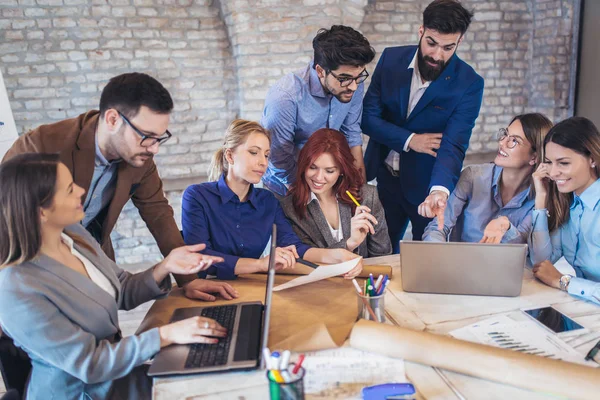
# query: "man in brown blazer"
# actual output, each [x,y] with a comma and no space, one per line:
[110,154]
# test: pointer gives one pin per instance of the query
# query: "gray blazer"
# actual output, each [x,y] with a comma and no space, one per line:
[69,325]
[314,229]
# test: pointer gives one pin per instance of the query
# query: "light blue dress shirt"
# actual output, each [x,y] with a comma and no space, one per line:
[578,240]
[295,107]
[102,187]
[476,201]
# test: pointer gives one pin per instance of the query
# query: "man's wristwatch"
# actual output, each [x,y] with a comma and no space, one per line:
[564,282]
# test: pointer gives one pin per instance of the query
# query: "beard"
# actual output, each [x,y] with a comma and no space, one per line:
[428,72]
[338,94]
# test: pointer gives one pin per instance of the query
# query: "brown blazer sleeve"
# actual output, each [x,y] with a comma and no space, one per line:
[28,143]
[158,215]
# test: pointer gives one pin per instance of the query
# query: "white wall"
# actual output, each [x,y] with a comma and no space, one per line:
[8,129]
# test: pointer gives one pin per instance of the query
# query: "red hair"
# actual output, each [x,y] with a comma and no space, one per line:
[334,143]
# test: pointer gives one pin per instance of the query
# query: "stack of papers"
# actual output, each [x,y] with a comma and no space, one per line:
[523,335]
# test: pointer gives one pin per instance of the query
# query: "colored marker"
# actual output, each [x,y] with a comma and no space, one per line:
[285,359]
[371,283]
[298,364]
[384,282]
[370,290]
[275,360]
[355,283]
[277,376]
[378,282]
[267,357]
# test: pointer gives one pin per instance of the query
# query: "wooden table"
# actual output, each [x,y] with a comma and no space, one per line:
[428,312]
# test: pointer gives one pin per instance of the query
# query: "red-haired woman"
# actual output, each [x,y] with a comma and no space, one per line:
[321,212]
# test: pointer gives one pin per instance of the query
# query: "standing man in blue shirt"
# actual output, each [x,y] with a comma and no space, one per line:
[419,113]
[327,93]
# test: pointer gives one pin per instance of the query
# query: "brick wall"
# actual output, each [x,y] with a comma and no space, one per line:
[218,59]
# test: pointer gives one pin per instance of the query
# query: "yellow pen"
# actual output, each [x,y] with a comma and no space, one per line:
[352,198]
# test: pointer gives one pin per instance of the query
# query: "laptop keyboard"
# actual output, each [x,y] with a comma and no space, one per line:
[210,355]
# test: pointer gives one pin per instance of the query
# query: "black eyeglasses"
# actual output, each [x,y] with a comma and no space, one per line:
[347,81]
[512,142]
[147,141]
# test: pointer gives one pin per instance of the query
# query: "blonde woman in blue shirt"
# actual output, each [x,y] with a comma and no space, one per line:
[492,202]
[566,219]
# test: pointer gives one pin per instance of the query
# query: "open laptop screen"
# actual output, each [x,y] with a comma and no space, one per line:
[268,295]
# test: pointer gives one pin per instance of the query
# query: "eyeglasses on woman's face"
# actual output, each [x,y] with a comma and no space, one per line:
[511,140]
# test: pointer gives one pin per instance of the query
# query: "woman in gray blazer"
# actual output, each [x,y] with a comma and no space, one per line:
[319,208]
[59,293]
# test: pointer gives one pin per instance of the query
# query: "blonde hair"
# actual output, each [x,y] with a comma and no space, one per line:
[236,134]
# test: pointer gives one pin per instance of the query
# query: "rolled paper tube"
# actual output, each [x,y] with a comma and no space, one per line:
[481,361]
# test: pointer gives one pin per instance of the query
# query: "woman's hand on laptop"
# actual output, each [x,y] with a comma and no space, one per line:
[191,330]
[201,289]
[495,230]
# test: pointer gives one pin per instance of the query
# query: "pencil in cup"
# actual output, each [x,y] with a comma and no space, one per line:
[371,306]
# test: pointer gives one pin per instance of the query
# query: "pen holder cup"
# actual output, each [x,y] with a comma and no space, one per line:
[291,389]
[371,308]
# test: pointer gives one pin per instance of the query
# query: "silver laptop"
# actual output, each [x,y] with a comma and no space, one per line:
[462,268]
[248,332]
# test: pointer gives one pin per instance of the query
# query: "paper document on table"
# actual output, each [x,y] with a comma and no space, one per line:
[323,272]
[342,373]
[516,333]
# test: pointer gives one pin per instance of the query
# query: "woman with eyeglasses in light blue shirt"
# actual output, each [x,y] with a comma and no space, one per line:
[566,219]
[492,202]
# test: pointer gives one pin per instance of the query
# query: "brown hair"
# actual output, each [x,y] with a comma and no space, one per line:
[236,134]
[535,127]
[28,183]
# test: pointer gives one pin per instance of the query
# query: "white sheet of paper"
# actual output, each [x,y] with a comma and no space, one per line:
[323,272]
[343,372]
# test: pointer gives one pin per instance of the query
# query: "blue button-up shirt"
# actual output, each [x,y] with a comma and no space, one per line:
[213,214]
[102,187]
[476,201]
[578,240]
[295,107]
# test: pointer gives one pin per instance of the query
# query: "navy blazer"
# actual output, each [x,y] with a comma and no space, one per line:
[450,105]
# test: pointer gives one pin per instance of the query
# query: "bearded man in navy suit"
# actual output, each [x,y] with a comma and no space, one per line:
[419,113]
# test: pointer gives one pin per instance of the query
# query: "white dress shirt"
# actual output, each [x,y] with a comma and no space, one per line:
[417,90]
[95,275]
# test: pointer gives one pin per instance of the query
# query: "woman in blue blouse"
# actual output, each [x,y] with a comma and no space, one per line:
[566,219]
[234,218]
[492,202]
